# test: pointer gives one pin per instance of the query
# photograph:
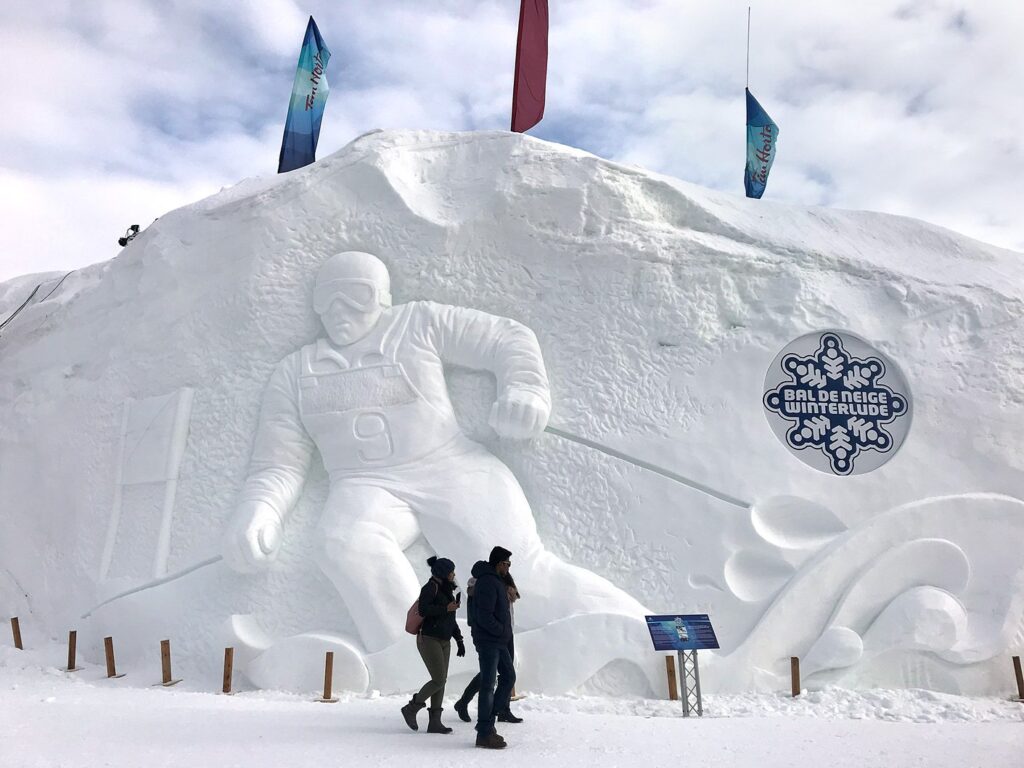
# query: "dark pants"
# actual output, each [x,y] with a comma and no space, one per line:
[435,654]
[495,662]
[474,686]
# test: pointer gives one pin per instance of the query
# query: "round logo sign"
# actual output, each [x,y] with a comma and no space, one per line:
[837,403]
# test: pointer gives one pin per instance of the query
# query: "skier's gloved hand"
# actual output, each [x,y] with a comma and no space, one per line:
[461,645]
[253,537]
[519,414]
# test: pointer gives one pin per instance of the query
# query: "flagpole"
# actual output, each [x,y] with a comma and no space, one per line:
[748,47]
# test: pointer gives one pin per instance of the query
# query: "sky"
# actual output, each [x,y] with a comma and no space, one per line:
[117,111]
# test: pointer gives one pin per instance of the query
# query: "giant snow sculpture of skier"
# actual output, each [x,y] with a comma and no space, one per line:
[372,397]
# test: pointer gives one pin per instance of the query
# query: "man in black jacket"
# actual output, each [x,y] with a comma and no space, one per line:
[504,714]
[491,623]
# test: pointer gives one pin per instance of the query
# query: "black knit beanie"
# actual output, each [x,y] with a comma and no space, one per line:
[440,566]
[498,554]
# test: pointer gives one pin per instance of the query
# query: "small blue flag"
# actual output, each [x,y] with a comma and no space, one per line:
[762,133]
[306,108]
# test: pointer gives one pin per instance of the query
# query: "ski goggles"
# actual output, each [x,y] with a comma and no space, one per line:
[359,293]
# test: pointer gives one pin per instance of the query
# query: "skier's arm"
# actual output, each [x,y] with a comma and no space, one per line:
[282,452]
[508,349]
[481,341]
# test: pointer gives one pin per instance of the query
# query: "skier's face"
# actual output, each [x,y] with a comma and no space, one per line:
[346,323]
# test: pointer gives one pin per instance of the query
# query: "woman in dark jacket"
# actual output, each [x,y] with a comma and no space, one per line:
[437,606]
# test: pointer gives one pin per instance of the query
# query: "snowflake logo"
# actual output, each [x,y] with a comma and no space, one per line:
[835,403]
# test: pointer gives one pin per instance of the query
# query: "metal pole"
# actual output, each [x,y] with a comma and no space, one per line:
[689,676]
[696,677]
[685,683]
[748,46]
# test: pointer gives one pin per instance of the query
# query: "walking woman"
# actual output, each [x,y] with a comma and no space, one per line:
[437,606]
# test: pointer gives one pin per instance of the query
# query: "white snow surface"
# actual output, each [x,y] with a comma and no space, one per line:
[82,720]
[658,306]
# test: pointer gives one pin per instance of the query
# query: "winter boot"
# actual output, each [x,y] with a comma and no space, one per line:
[491,741]
[508,717]
[462,709]
[409,712]
[435,725]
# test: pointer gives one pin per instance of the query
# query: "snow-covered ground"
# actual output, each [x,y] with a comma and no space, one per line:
[53,718]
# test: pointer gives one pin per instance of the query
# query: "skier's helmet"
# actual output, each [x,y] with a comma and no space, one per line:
[358,279]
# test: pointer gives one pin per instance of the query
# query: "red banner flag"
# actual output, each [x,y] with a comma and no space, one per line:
[531,65]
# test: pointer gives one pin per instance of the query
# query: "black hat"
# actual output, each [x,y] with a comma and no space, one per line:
[498,554]
[440,566]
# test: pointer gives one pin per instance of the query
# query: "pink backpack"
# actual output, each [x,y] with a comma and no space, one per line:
[413,620]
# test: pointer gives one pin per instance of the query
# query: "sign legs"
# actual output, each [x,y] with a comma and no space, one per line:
[689,678]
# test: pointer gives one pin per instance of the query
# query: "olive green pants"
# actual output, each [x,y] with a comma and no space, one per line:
[435,654]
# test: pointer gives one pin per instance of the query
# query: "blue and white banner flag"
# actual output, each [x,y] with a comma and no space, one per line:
[306,109]
[762,134]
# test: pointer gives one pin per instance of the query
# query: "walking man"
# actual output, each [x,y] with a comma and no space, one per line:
[491,625]
[504,714]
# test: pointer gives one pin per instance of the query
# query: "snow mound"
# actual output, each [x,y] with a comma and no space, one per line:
[658,306]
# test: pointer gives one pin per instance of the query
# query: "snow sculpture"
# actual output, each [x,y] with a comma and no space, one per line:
[372,398]
[902,598]
[705,291]
[154,433]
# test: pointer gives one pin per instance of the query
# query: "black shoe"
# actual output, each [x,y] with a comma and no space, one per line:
[461,708]
[435,725]
[491,741]
[508,717]
[409,712]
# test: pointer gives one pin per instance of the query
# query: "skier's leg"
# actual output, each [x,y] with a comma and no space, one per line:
[361,539]
[464,513]
[467,512]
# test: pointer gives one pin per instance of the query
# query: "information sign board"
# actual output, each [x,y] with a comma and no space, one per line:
[691,632]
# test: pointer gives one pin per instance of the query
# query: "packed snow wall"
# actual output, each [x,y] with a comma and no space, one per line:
[129,399]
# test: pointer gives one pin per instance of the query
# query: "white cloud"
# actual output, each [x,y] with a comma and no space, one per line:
[118,111]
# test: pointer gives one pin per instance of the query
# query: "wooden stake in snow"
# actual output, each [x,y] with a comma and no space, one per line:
[16,629]
[72,647]
[1020,677]
[229,659]
[165,664]
[670,670]
[794,673]
[328,679]
[108,648]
